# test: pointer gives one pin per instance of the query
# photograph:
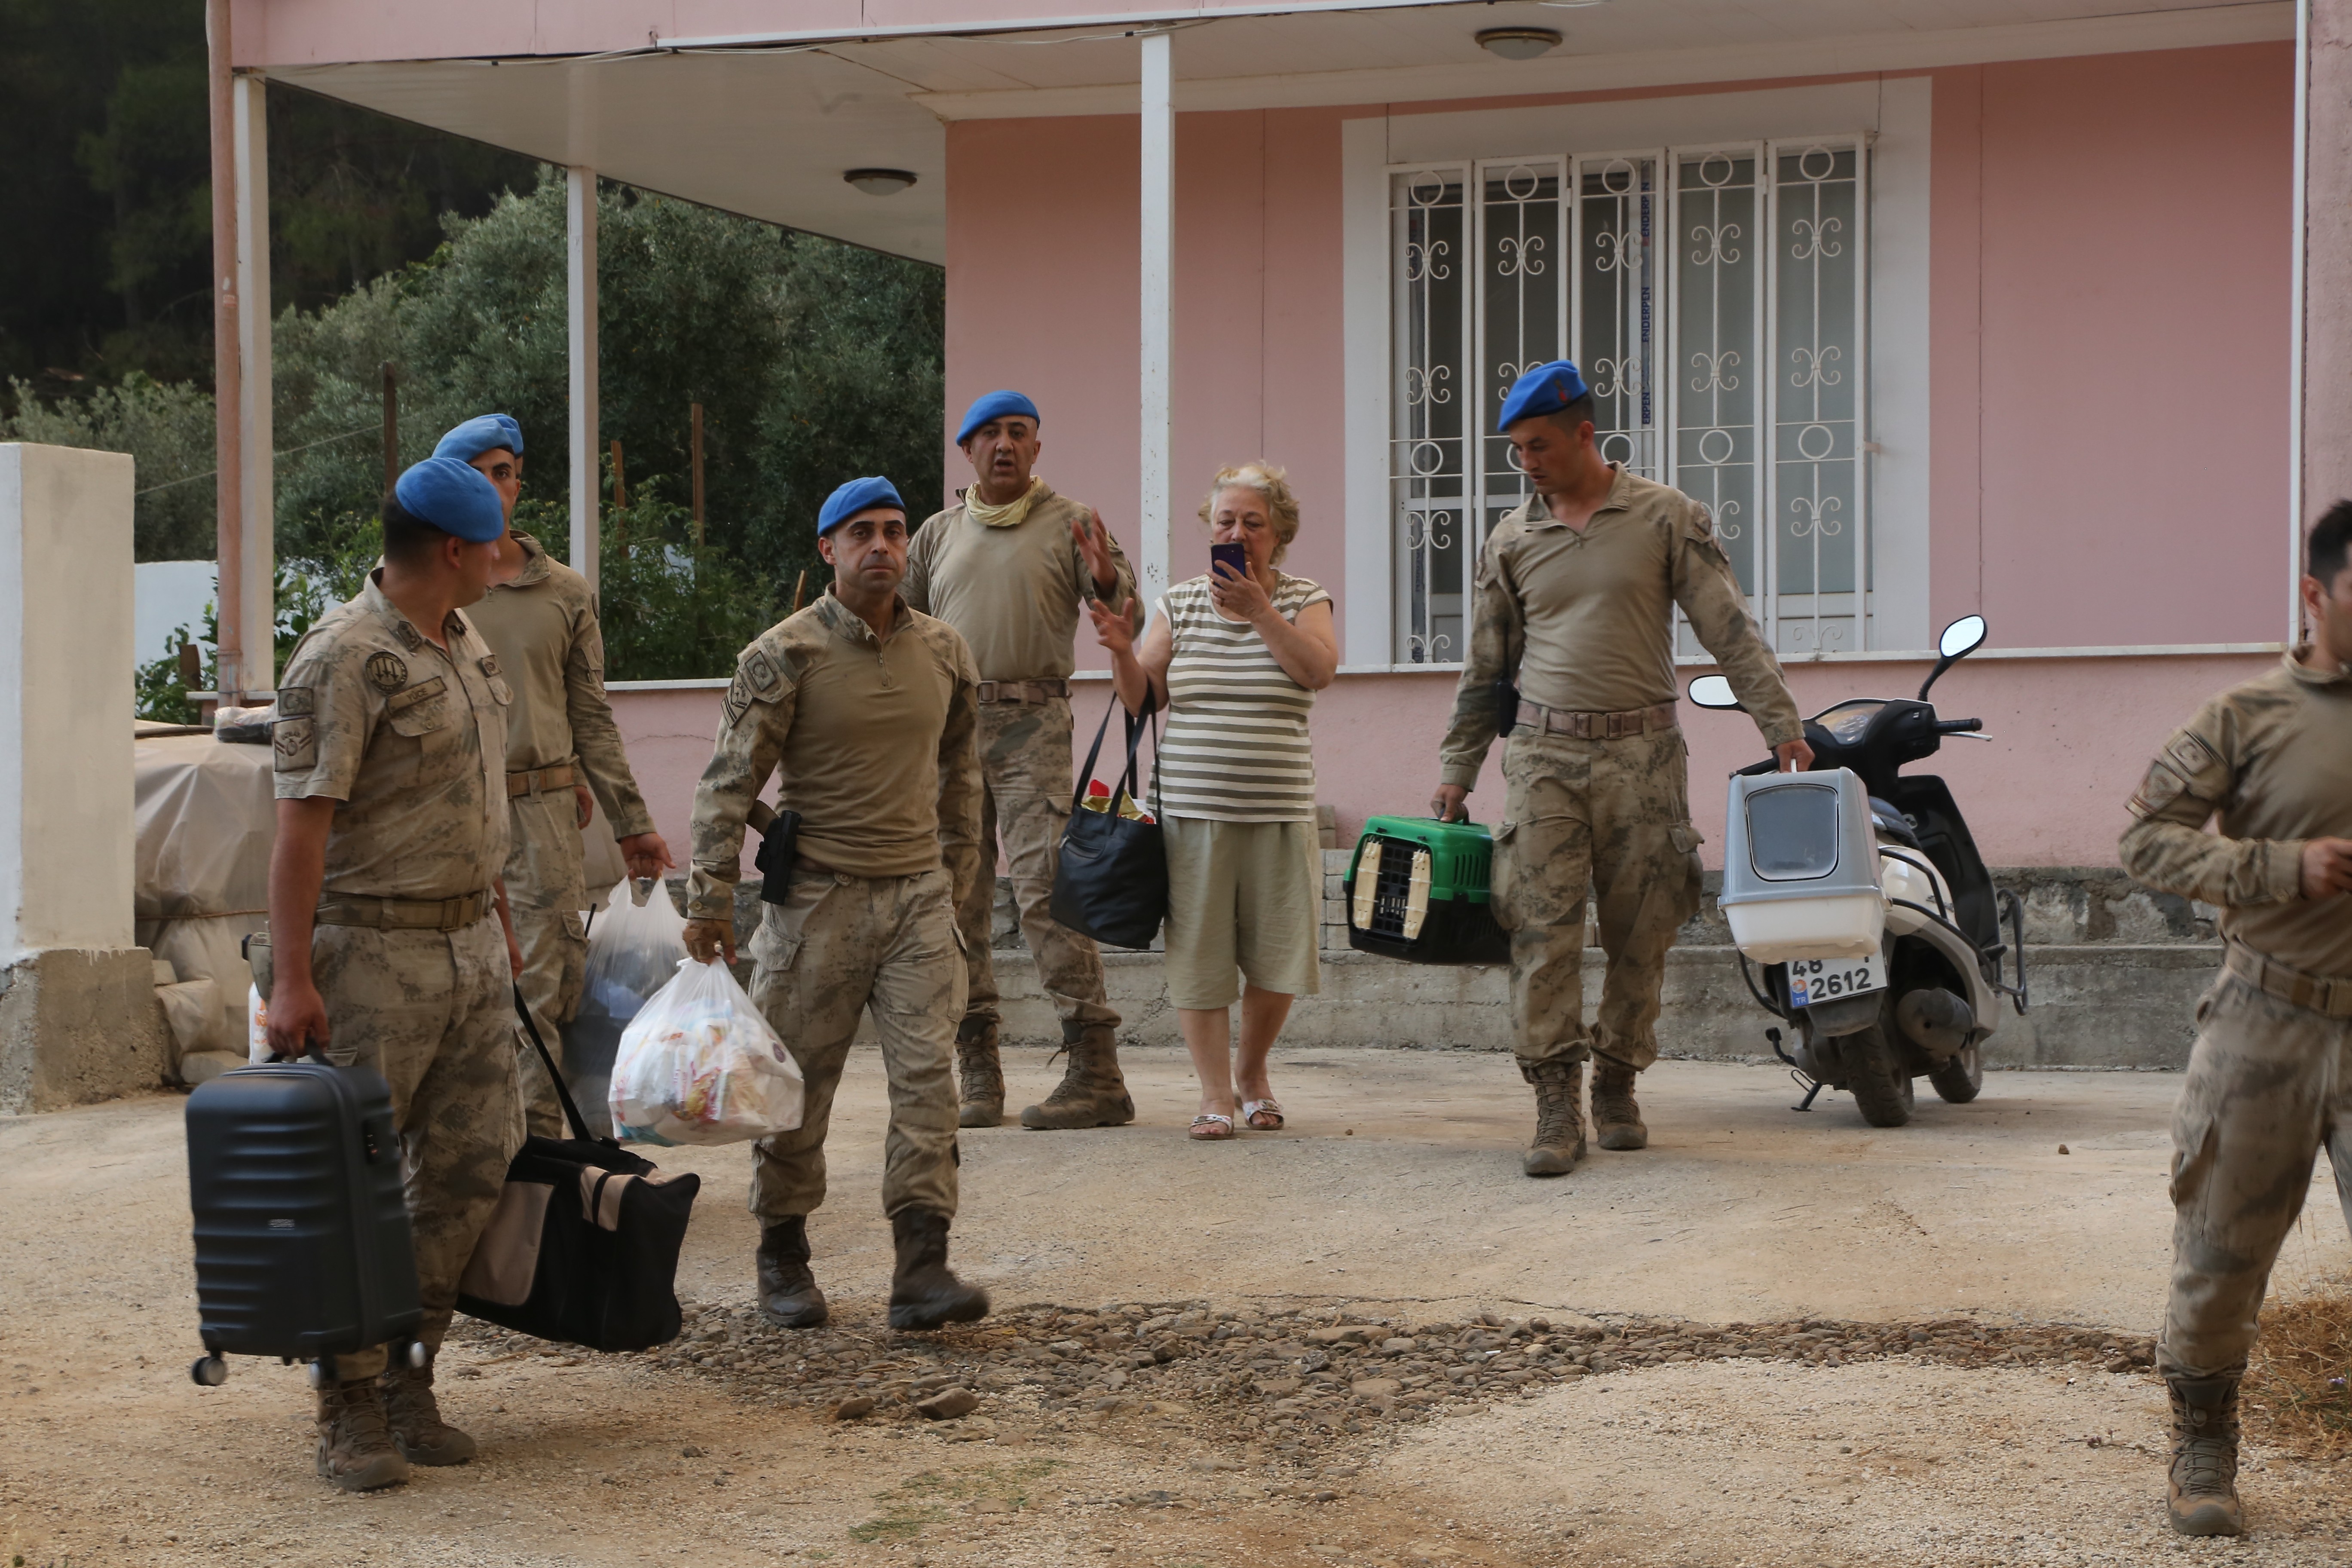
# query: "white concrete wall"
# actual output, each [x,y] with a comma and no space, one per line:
[66,601]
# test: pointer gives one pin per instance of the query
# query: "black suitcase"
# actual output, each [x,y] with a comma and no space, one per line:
[302,1243]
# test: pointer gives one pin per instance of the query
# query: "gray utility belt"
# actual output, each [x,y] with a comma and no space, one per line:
[404,914]
[2330,998]
[1595,726]
[1023,690]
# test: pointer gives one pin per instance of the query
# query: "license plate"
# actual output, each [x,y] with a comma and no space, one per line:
[1812,980]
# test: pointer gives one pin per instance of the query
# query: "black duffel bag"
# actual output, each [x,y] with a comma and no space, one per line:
[1112,882]
[582,1247]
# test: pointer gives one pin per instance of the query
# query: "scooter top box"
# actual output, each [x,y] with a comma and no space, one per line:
[1417,889]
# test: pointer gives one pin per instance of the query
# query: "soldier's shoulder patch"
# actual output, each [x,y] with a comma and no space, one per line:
[739,697]
[386,670]
[294,744]
[297,702]
[490,664]
[760,670]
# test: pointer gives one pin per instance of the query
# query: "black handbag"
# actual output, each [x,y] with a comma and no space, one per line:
[582,1247]
[1112,883]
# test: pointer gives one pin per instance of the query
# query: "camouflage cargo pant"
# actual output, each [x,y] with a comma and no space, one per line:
[1024,766]
[837,946]
[2269,1087]
[434,1013]
[545,896]
[1607,817]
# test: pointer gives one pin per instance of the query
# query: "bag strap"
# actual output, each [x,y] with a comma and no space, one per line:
[1094,753]
[562,1092]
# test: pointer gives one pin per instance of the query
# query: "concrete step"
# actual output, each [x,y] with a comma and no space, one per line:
[2094,1004]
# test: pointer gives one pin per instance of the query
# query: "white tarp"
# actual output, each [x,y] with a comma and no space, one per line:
[204,818]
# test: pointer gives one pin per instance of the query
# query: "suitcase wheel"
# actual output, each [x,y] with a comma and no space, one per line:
[209,1371]
[417,1356]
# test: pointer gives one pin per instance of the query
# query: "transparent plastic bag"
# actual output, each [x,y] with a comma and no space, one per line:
[699,1065]
[635,945]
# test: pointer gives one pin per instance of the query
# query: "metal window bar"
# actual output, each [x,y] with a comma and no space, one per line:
[1429,459]
[1816,485]
[1521,312]
[1617,305]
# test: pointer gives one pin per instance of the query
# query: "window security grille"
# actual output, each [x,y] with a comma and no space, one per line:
[1718,312]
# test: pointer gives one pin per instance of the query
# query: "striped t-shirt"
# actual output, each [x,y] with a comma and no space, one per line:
[1236,748]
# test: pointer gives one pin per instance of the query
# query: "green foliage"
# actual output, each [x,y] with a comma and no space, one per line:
[672,609]
[161,697]
[813,361]
[168,431]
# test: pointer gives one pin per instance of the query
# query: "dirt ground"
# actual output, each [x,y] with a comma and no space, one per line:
[1770,1338]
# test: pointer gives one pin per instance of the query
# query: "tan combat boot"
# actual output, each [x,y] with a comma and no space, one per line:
[1559,1117]
[980,1074]
[1091,1093]
[1616,1118]
[2203,1490]
[414,1417]
[355,1447]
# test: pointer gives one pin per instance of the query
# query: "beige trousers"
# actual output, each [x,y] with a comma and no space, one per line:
[1608,818]
[434,1013]
[545,895]
[837,947]
[2269,1089]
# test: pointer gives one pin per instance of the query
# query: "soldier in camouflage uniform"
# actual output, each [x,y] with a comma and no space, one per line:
[1574,602]
[540,618]
[1008,566]
[2269,1078]
[863,710]
[389,930]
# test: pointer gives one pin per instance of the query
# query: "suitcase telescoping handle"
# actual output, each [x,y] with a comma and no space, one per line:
[563,1091]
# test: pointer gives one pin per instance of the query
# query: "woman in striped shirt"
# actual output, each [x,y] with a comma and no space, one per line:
[1236,658]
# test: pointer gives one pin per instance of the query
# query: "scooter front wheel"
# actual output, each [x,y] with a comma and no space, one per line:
[1877,1077]
[1959,1079]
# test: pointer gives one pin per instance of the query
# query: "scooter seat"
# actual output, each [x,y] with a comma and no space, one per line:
[1888,818]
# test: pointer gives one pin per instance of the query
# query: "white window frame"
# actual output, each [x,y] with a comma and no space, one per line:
[1886,124]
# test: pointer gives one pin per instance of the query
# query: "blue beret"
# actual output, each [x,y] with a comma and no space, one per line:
[996,405]
[453,496]
[1546,389]
[856,496]
[483,433]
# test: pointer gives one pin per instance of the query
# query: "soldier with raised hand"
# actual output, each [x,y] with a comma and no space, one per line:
[2269,1078]
[863,710]
[389,928]
[1008,566]
[540,618]
[1574,606]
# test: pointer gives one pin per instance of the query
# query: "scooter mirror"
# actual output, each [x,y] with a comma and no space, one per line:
[1713,692]
[1964,636]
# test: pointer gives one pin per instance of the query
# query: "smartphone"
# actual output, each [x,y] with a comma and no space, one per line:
[1236,555]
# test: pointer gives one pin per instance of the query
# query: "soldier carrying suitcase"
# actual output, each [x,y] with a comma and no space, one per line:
[392,942]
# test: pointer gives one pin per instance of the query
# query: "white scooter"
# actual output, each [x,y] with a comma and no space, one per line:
[1862,896]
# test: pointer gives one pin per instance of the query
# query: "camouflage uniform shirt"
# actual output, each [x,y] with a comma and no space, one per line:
[543,628]
[410,738]
[870,740]
[2273,759]
[1585,619]
[1013,591]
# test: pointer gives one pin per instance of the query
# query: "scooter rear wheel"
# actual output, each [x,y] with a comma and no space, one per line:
[1877,1077]
[1960,1080]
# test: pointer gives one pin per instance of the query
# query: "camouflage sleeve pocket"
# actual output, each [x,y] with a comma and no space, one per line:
[2187,766]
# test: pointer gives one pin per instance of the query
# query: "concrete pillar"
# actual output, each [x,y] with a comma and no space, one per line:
[79,1019]
[1156,287]
[2323,443]
[256,431]
[580,275]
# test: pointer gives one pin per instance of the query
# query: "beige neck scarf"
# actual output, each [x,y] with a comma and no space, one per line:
[1009,515]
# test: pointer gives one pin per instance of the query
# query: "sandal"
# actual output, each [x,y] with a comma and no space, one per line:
[1210,1127]
[1254,1109]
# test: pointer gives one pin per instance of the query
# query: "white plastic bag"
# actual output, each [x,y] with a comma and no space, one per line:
[699,1065]
[635,945]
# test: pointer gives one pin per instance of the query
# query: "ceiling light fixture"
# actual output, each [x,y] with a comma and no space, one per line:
[1519,43]
[880,182]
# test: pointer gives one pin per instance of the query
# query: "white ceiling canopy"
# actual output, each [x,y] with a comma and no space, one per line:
[766,124]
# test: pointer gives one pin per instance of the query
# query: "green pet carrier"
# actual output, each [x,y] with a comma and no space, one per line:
[1417,890]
